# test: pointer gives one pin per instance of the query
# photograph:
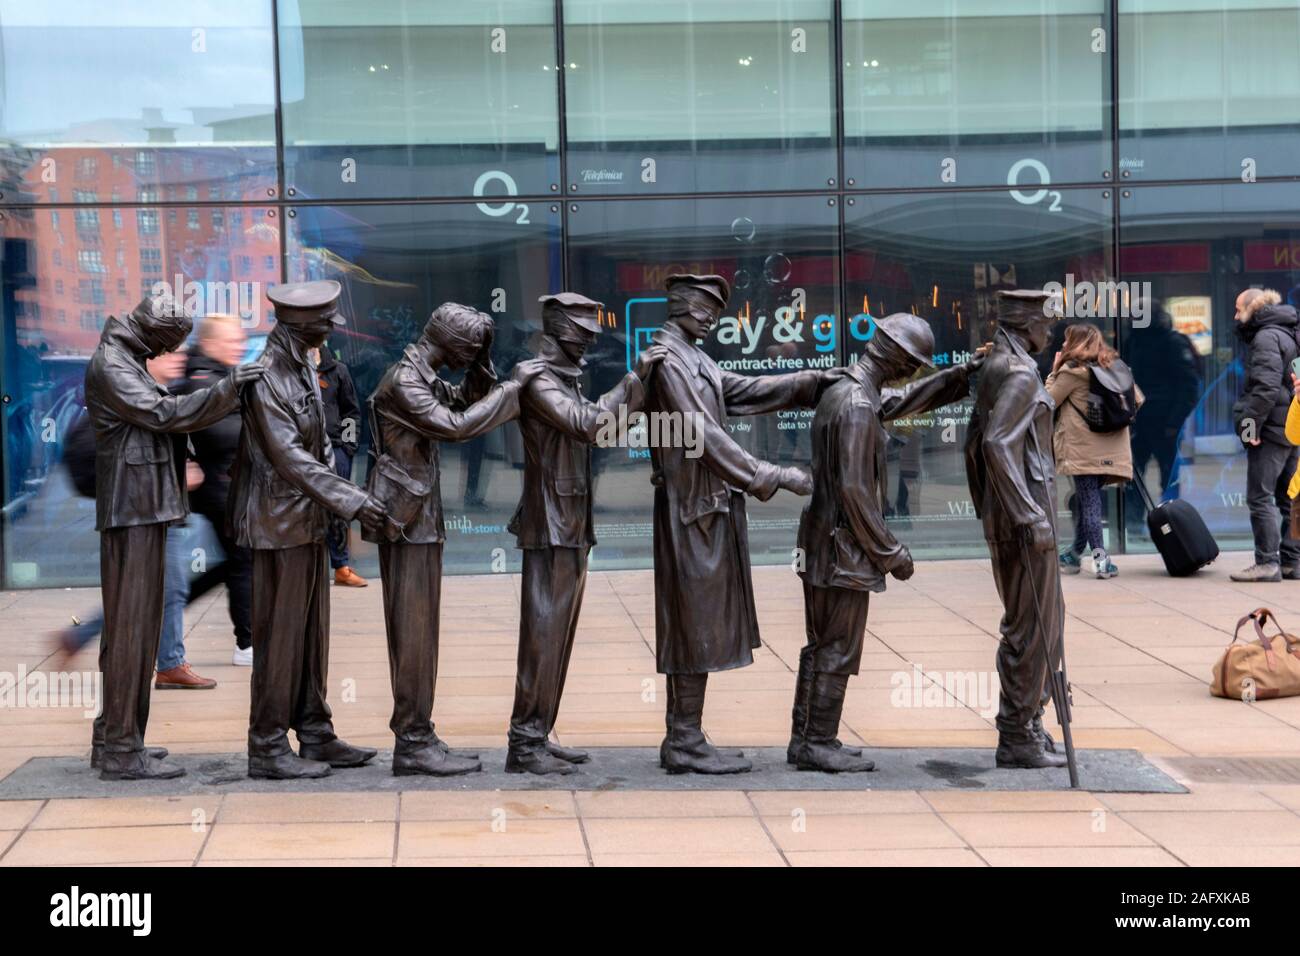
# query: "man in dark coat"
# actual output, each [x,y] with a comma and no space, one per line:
[553,522]
[704,600]
[413,410]
[1268,328]
[1011,469]
[140,490]
[848,549]
[282,493]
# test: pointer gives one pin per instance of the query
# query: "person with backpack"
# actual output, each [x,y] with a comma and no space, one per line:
[1096,400]
[1269,330]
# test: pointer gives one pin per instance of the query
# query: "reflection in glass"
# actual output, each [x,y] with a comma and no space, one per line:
[944,257]
[136,102]
[420,98]
[941,91]
[679,96]
[63,278]
[781,256]
[397,263]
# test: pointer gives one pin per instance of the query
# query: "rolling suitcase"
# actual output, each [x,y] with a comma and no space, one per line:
[1179,533]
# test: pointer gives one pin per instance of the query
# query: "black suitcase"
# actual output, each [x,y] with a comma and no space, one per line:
[1179,533]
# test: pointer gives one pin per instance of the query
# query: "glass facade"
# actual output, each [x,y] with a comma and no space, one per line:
[835,159]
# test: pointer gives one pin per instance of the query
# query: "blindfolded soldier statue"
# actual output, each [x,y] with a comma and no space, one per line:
[283,489]
[848,548]
[412,411]
[140,490]
[704,599]
[1011,470]
[553,523]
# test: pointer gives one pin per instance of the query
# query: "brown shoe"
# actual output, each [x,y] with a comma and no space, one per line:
[349,578]
[182,678]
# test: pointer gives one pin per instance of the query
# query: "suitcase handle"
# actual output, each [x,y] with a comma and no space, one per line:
[1146,495]
[1261,616]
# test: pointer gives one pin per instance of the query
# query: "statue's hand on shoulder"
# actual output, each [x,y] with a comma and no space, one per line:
[796,480]
[978,359]
[647,360]
[527,370]
[371,514]
[1039,535]
[904,568]
[243,374]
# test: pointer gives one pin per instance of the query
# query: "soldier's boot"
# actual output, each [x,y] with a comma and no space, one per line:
[286,766]
[1025,752]
[97,754]
[337,753]
[685,750]
[1040,732]
[137,765]
[569,754]
[537,759]
[446,748]
[819,750]
[799,713]
[433,761]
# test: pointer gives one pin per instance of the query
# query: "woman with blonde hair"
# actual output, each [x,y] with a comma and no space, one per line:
[1095,459]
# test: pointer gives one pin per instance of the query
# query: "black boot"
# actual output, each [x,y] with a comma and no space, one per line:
[818,751]
[97,754]
[286,766]
[1025,753]
[446,748]
[137,765]
[538,760]
[685,750]
[1040,732]
[567,753]
[433,761]
[337,753]
[799,713]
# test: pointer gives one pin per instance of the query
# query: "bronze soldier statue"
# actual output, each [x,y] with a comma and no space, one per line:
[847,547]
[553,523]
[412,410]
[704,599]
[140,490]
[283,489]
[1011,470]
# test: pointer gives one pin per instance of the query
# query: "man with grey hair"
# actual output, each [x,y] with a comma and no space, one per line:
[1268,329]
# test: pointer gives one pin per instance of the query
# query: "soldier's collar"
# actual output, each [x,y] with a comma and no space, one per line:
[420,363]
[557,361]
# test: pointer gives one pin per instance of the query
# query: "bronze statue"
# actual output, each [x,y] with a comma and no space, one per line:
[704,601]
[846,545]
[412,410]
[1011,470]
[283,489]
[140,490]
[553,523]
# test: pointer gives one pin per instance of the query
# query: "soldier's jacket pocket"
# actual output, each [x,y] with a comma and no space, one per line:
[146,455]
[569,486]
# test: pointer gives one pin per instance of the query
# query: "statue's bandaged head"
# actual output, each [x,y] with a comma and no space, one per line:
[692,294]
[161,323]
[459,331]
[1031,312]
[904,340]
[570,317]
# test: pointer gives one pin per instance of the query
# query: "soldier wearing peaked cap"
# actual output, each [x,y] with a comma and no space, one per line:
[1011,468]
[704,600]
[140,484]
[848,548]
[553,523]
[412,411]
[283,489]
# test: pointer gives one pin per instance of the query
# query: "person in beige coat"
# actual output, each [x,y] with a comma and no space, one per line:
[1093,459]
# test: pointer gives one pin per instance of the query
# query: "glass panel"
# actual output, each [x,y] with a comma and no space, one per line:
[136,101]
[63,274]
[424,98]
[782,259]
[944,256]
[1196,248]
[397,264]
[1209,88]
[980,92]
[699,95]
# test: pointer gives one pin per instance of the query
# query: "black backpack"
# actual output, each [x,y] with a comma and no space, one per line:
[79,454]
[1112,398]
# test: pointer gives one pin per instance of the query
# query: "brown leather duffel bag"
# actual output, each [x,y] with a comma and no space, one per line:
[1259,669]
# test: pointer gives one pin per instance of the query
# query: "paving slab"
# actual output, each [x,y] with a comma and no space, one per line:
[612,769]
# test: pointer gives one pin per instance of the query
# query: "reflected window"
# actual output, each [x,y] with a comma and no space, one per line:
[681,96]
[133,94]
[945,92]
[419,98]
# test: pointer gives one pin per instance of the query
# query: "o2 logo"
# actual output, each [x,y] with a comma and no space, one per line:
[505,208]
[1044,179]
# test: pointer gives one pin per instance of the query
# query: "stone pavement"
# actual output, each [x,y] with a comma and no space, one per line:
[1139,647]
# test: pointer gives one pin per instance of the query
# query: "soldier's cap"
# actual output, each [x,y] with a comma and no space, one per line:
[1023,307]
[712,285]
[576,308]
[912,334]
[304,303]
[163,315]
